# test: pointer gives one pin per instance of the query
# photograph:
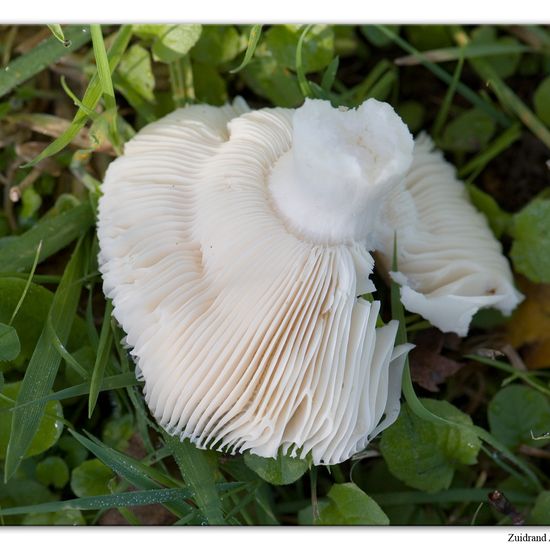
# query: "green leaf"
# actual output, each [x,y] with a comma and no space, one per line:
[517,411]
[413,114]
[117,431]
[349,505]
[498,219]
[55,233]
[73,451]
[199,474]
[531,248]
[148,31]
[269,79]
[277,471]
[31,201]
[10,347]
[23,492]
[49,426]
[504,65]
[541,101]
[91,478]
[43,55]
[540,514]
[317,48]
[61,517]
[423,454]
[209,86]
[217,45]
[42,368]
[428,37]
[174,41]
[54,471]
[136,70]
[468,132]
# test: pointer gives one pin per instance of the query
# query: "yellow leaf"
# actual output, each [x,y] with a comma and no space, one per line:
[529,328]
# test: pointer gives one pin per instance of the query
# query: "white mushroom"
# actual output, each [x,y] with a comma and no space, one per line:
[450,264]
[235,246]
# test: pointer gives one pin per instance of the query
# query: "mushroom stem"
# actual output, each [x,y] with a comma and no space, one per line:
[342,165]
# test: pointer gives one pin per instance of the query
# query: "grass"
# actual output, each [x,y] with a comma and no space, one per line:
[76,85]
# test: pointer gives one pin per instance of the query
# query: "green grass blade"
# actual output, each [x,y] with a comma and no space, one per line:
[45,54]
[103,502]
[510,101]
[132,470]
[181,81]
[91,97]
[27,284]
[305,88]
[91,114]
[500,144]
[453,54]
[329,76]
[253,39]
[526,376]
[443,75]
[44,363]
[57,31]
[507,98]
[449,496]
[107,90]
[102,63]
[360,92]
[55,233]
[384,83]
[199,474]
[115,382]
[115,500]
[102,358]
[443,112]
[62,350]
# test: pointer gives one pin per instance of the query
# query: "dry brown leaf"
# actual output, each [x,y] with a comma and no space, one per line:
[428,367]
[31,149]
[53,126]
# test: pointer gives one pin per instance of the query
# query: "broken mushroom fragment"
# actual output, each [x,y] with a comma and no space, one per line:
[235,246]
[450,264]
